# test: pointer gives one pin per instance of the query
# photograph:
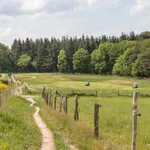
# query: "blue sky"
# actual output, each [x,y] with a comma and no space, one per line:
[46,18]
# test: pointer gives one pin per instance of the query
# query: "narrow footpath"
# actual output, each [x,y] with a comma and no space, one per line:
[47,137]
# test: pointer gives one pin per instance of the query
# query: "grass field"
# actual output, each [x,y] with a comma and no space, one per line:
[17,128]
[115,113]
[115,123]
[77,82]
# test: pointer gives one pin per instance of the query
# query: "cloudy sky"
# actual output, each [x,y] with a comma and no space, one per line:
[46,18]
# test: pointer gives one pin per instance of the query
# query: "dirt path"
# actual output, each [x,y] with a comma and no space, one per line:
[47,137]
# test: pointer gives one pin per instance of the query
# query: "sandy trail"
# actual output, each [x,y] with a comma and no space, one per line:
[47,137]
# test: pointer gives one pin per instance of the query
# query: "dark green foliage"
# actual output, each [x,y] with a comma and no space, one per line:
[144,35]
[141,67]
[4,81]
[125,55]
[81,61]
[124,63]
[5,61]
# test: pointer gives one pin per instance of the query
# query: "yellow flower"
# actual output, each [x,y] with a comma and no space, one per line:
[3,86]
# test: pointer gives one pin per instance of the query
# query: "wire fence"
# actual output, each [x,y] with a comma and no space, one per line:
[95,93]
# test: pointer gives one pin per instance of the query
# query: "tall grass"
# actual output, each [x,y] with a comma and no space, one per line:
[115,119]
[115,123]
[17,128]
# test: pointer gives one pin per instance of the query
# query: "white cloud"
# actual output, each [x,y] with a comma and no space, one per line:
[140,6]
[7,35]
[5,18]
[20,7]
[94,5]
[103,2]
[5,32]
[32,5]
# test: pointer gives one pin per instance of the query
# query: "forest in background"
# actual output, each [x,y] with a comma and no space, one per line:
[127,55]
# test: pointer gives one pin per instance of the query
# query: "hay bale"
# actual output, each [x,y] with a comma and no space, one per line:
[87,83]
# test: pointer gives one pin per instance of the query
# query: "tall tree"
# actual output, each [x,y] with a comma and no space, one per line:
[5,63]
[43,62]
[141,66]
[81,61]
[123,65]
[132,36]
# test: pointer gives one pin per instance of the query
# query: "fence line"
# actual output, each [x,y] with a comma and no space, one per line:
[96,93]
[63,105]
[96,116]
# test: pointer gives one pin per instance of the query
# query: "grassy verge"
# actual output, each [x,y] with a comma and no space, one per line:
[17,128]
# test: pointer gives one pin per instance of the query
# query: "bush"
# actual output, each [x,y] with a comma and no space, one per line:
[4,81]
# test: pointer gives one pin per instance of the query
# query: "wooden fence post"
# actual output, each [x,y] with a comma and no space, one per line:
[55,99]
[46,98]
[51,101]
[43,92]
[76,113]
[61,99]
[134,120]
[66,105]
[96,120]
[58,93]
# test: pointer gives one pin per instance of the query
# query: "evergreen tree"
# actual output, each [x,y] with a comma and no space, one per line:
[132,36]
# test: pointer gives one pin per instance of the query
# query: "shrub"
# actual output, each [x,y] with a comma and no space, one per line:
[4,81]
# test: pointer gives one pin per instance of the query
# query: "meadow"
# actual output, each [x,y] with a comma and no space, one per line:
[115,113]
[77,81]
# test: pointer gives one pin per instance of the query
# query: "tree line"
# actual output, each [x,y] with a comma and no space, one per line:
[127,55]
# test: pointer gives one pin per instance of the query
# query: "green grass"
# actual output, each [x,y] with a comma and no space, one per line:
[77,82]
[115,123]
[115,113]
[66,131]
[17,128]
[54,126]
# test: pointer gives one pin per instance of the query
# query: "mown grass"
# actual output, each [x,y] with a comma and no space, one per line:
[18,130]
[115,113]
[77,82]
